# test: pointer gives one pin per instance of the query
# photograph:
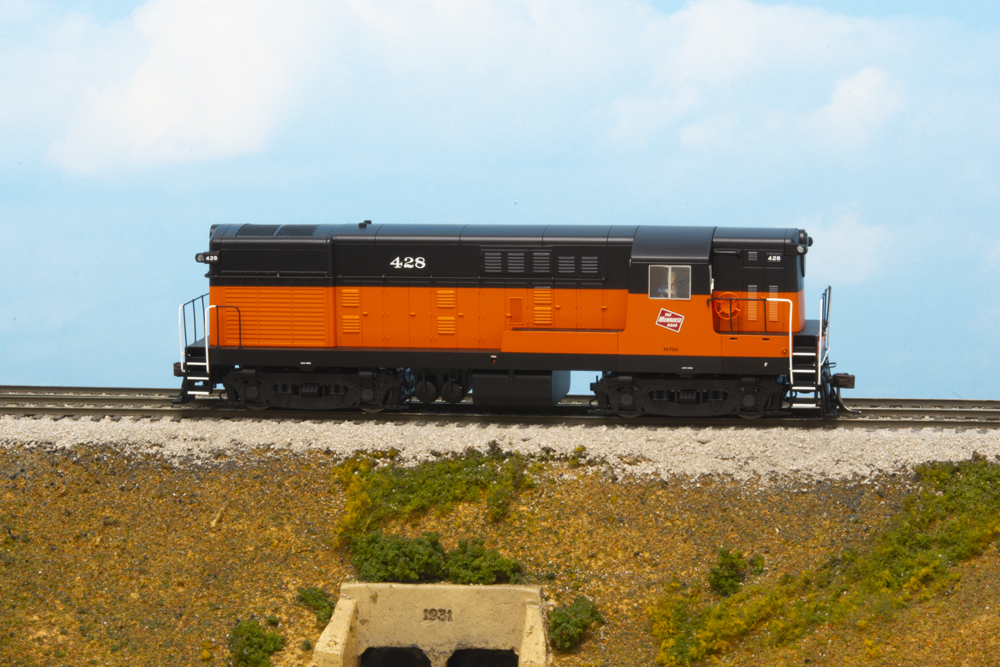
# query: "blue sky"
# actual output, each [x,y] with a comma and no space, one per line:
[126,129]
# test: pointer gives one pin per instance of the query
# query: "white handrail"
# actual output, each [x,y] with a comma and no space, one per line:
[791,347]
[208,328]
[180,336]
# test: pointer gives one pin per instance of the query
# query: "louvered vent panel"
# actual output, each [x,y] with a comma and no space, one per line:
[543,315]
[752,303]
[350,298]
[350,324]
[516,310]
[566,264]
[257,230]
[751,255]
[515,262]
[492,262]
[446,298]
[543,296]
[541,262]
[588,265]
[445,326]
[296,230]
[772,307]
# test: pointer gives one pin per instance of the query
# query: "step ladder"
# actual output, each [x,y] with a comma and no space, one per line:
[807,364]
[198,311]
[806,379]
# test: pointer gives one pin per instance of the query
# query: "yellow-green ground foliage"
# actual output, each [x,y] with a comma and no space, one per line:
[953,517]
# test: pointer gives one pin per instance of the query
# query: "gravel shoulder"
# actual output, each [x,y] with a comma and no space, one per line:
[142,543]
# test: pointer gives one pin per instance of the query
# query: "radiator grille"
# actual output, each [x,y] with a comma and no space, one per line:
[516,311]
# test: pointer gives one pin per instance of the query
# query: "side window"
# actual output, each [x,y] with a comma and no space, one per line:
[669,282]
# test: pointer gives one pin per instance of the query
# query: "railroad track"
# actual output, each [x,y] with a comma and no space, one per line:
[118,403]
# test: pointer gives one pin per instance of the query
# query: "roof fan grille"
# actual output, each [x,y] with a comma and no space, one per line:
[257,230]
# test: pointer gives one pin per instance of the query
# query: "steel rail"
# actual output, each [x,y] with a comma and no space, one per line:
[118,403]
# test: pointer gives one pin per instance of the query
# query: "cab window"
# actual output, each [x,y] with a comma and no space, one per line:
[669,282]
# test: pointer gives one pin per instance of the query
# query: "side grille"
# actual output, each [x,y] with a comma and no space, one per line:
[350,324]
[541,262]
[445,298]
[350,298]
[566,264]
[516,311]
[492,262]
[445,326]
[515,262]
[588,265]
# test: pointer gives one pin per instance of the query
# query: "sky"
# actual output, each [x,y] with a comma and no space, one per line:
[127,129]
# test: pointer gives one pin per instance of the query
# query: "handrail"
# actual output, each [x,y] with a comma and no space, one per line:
[239,324]
[762,299]
[182,324]
[791,338]
[791,334]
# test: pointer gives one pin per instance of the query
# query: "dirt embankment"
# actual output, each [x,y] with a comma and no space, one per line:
[112,558]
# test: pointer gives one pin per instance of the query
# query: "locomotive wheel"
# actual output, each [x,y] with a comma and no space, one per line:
[425,391]
[727,310]
[453,391]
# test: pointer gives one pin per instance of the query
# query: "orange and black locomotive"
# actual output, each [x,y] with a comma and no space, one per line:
[676,321]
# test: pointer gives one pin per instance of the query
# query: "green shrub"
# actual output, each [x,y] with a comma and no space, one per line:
[378,489]
[568,624]
[473,563]
[952,518]
[319,601]
[251,646]
[384,558]
[379,557]
[726,577]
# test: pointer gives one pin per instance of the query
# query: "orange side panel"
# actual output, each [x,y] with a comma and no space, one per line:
[694,337]
[348,316]
[749,345]
[492,317]
[615,307]
[420,317]
[467,314]
[589,309]
[272,316]
[561,342]
[757,315]
[395,316]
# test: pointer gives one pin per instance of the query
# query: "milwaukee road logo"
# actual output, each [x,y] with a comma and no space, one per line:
[669,320]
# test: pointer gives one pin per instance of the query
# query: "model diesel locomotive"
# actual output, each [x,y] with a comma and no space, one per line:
[675,321]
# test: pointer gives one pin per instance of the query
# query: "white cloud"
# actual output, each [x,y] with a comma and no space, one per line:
[212,81]
[189,80]
[859,107]
[846,251]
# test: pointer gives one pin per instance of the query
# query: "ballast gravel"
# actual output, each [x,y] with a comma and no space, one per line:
[767,455]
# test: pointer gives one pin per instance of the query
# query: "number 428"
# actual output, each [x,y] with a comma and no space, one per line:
[408,263]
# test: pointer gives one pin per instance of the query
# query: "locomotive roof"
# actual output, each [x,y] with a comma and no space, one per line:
[648,242]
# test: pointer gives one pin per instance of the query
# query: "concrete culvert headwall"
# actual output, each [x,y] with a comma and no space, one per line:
[434,625]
